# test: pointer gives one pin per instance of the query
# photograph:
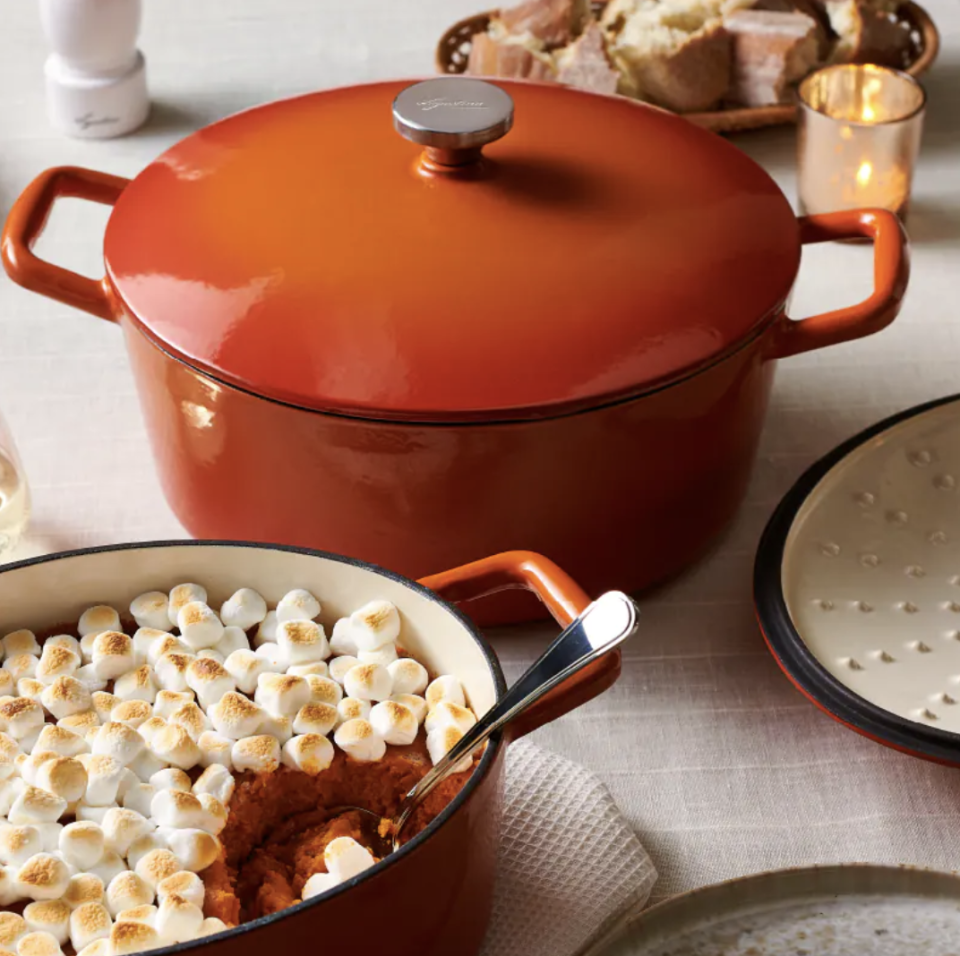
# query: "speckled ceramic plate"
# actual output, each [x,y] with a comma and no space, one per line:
[855,910]
[857,582]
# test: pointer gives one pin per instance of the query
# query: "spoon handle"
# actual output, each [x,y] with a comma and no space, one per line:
[607,622]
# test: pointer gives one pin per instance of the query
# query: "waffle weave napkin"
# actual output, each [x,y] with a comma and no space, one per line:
[570,869]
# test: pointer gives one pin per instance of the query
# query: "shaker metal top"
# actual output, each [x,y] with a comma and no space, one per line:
[453,113]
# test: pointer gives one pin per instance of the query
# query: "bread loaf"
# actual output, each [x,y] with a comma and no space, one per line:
[771,51]
[554,23]
[585,63]
[508,58]
[868,33]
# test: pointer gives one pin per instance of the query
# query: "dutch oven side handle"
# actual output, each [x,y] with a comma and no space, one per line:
[25,224]
[891,269]
[563,598]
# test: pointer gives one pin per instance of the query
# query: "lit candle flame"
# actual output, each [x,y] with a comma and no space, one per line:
[864,172]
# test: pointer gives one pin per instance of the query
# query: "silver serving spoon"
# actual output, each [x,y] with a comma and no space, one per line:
[607,622]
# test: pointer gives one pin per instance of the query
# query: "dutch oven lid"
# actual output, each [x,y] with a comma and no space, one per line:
[320,252]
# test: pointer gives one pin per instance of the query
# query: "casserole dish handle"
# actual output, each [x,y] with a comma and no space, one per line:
[891,269]
[25,224]
[563,598]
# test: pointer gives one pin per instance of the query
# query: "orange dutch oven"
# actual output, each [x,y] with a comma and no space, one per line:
[457,332]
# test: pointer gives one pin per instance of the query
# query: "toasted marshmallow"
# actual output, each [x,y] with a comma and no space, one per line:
[448,714]
[43,877]
[65,777]
[375,624]
[132,713]
[86,647]
[384,656]
[38,944]
[89,679]
[96,620]
[394,722]
[11,688]
[169,701]
[138,684]
[409,676]
[18,844]
[9,751]
[279,727]
[175,746]
[297,605]
[29,765]
[316,719]
[127,938]
[210,681]
[109,866]
[126,891]
[88,923]
[194,849]
[272,654]
[358,739]
[138,914]
[302,642]
[368,682]
[150,728]
[199,625]
[88,814]
[319,883]
[34,805]
[342,642]
[444,739]
[351,708]
[20,642]
[139,797]
[235,716]
[345,858]
[113,655]
[178,920]
[103,704]
[191,718]
[146,844]
[118,741]
[416,704]
[104,773]
[215,749]
[216,781]
[99,947]
[267,629]
[261,754]
[157,865]
[59,740]
[244,609]
[82,844]
[20,666]
[309,753]
[151,610]
[245,667]
[185,884]
[167,644]
[10,789]
[66,696]
[83,888]
[324,690]
[144,639]
[339,666]
[50,836]
[177,808]
[182,595]
[12,927]
[313,669]
[282,694]
[56,661]
[210,926]
[26,687]
[214,814]
[85,724]
[446,687]
[233,639]
[171,779]
[122,828]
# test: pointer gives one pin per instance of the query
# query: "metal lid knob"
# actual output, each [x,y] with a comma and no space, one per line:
[453,117]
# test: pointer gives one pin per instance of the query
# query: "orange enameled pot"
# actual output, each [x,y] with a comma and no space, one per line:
[549,328]
[433,896]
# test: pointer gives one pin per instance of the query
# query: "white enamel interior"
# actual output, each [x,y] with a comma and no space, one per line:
[871,570]
[56,592]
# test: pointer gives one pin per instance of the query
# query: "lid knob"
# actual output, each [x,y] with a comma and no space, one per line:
[453,118]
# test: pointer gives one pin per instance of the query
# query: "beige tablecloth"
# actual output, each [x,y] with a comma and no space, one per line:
[719,764]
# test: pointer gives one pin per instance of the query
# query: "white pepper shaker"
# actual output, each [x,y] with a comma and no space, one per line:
[96,76]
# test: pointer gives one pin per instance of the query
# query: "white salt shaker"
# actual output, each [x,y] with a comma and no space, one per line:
[96,76]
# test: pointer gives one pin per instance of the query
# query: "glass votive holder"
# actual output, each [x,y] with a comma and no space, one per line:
[859,136]
[14,494]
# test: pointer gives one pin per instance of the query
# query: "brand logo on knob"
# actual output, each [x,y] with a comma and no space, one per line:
[438,101]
